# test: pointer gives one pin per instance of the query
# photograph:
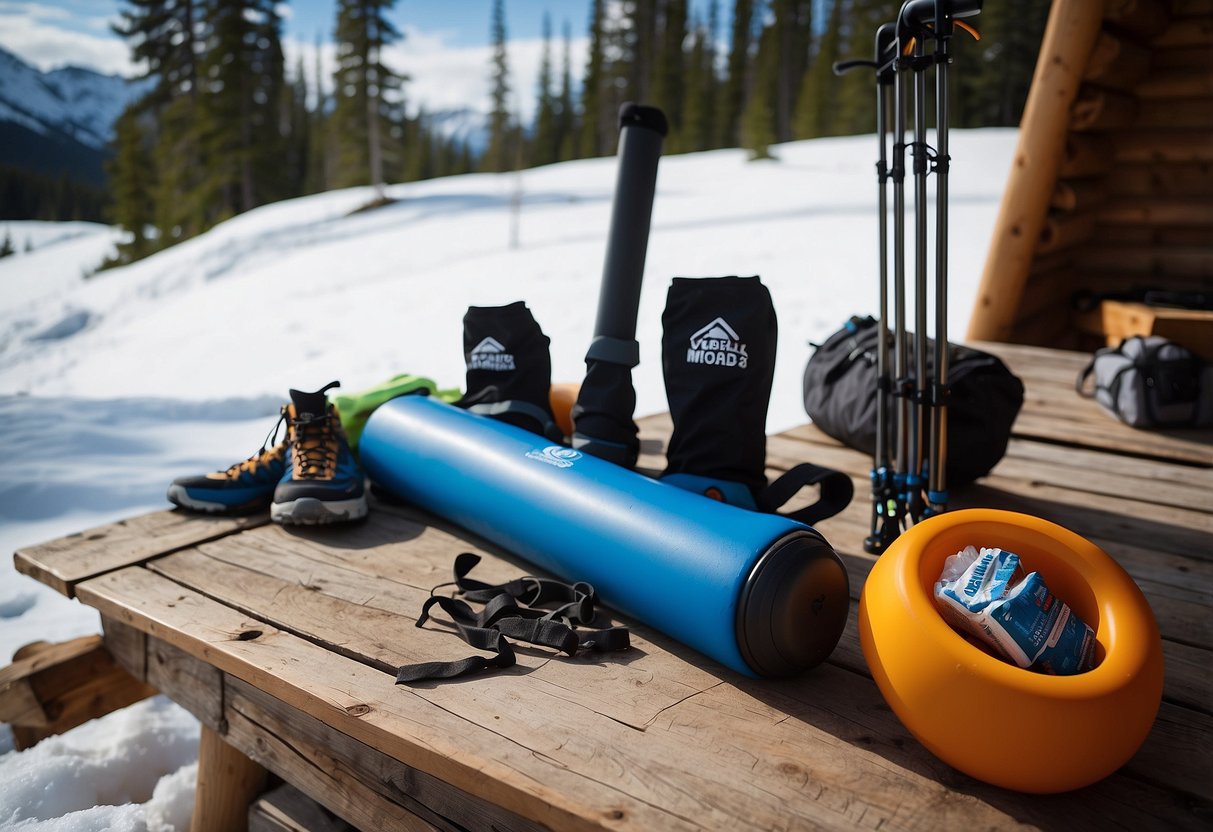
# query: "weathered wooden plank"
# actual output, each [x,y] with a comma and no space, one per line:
[64,562]
[365,786]
[59,686]
[359,702]
[630,687]
[331,623]
[661,777]
[286,809]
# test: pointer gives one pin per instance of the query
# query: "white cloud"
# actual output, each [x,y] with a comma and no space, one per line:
[445,77]
[34,33]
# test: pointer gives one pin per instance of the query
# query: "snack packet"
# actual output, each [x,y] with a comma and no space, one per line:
[986,594]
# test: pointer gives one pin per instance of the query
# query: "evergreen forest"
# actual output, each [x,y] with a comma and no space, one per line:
[227,126]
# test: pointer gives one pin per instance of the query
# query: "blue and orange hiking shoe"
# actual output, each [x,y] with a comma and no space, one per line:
[322,482]
[243,488]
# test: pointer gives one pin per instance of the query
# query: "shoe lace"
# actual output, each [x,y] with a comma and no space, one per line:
[313,445]
[271,451]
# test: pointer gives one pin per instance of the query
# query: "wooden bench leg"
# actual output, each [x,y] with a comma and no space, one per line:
[228,782]
[51,688]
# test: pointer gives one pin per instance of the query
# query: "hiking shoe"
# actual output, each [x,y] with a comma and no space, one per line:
[322,483]
[243,488]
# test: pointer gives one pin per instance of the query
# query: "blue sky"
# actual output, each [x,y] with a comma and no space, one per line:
[446,48]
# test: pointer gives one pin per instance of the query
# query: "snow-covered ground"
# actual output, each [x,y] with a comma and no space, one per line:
[112,385]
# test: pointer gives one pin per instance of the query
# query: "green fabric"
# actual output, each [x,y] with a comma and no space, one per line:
[355,408]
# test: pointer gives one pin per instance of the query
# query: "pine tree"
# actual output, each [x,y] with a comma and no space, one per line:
[700,99]
[163,35]
[363,85]
[130,172]
[816,105]
[320,147]
[733,93]
[6,248]
[498,157]
[566,119]
[793,32]
[758,118]
[546,141]
[669,82]
[167,36]
[593,95]
[240,106]
[297,119]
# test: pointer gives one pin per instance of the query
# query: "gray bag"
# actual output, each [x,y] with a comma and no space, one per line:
[1150,382]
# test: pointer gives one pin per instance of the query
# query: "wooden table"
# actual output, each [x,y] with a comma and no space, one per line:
[284,642]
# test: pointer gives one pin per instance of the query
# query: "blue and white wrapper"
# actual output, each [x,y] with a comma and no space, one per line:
[987,595]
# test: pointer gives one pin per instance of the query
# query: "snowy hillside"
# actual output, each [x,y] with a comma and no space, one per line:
[78,102]
[112,385]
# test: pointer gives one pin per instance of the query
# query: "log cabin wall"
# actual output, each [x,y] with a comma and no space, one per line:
[1112,183]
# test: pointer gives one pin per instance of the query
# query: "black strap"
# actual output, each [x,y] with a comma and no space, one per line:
[520,610]
[835,487]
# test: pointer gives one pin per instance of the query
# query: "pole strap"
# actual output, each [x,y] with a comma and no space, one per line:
[539,611]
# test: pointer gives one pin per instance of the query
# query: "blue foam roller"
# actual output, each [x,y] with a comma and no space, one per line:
[763,594]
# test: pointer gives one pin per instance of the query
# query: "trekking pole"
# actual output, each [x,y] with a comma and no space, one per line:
[602,417]
[886,519]
[902,384]
[918,22]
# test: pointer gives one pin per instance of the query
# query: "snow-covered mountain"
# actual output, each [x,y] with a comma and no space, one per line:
[72,101]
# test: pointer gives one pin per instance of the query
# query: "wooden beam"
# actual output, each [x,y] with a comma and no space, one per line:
[56,687]
[228,782]
[1069,37]
[1192,179]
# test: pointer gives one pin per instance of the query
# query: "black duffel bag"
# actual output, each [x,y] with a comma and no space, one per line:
[984,398]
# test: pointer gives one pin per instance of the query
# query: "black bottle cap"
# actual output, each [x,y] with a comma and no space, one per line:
[793,607]
[640,115]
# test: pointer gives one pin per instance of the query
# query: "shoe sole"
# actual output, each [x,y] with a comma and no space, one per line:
[308,511]
[179,496]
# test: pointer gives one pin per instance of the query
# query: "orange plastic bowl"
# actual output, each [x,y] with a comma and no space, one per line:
[1008,726]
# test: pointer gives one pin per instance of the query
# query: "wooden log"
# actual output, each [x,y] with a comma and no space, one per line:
[1145,19]
[1191,8]
[1073,195]
[56,687]
[1194,31]
[1065,231]
[1185,113]
[286,809]
[1186,58]
[1117,61]
[228,782]
[1175,84]
[1194,179]
[1154,146]
[1189,213]
[1069,37]
[1099,110]
[1086,156]
[1160,262]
